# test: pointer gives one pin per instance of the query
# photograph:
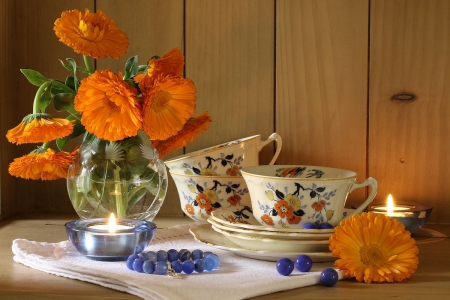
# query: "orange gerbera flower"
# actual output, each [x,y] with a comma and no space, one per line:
[42,165]
[171,63]
[109,106]
[39,128]
[91,34]
[374,248]
[190,131]
[168,106]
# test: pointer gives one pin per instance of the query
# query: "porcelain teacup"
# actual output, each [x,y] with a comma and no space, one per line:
[289,196]
[226,159]
[200,195]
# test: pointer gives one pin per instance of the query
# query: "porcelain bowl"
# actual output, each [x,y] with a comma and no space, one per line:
[226,159]
[200,195]
[290,196]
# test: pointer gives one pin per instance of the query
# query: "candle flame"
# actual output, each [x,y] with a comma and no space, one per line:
[112,223]
[390,205]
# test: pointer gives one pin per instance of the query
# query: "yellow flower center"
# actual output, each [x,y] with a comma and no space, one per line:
[90,32]
[161,101]
[372,255]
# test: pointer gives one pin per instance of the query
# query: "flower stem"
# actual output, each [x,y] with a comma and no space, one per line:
[37,98]
[120,206]
[87,62]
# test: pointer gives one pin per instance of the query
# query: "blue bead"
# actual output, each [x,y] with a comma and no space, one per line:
[161,255]
[172,255]
[148,267]
[216,260]
[177,266]
[199,265]
[184,255]
[161,267]
[209,264]
[197,254]
[309,226]
[152,256]
[137,249]
[285,266]
[303,263]
[329,277]
[326,226]
[188,266]
[206,253]
[143,256]
[130,261]
[137,265]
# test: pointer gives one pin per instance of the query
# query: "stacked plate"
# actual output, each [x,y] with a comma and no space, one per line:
[235,229]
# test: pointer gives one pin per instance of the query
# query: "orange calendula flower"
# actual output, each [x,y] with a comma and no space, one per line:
[190,131]
[91,34]
[168,106]
[171,63]
[39,128]
[109,106]
[42,165]
[374,248]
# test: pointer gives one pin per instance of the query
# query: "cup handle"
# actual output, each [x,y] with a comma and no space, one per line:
[273,137]
[373,183]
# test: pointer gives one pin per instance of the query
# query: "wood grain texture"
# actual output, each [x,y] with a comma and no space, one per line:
[153,28]
[8,77]
[321,93]
[38,48]
[230,57]
[409,141]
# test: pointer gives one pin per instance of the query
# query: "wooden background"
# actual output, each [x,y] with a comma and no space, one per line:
[321,73]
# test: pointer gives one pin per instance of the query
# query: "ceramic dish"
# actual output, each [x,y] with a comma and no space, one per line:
[275,245]
[205,234]
[242,217]
[270,234]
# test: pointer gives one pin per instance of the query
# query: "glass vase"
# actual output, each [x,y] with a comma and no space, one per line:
[125,177]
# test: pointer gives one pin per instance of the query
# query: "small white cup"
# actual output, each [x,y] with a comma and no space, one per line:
[225,159]
[290,196]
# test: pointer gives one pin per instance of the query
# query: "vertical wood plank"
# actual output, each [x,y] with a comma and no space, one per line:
[321,97]
[8,78]
[38,48]
[230,57]
[409,141]
[153,28]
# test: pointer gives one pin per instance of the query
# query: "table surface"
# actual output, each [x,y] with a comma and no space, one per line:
[431,280]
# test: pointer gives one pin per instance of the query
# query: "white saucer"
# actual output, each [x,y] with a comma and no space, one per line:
[205,234]
[270,234]
[242,217]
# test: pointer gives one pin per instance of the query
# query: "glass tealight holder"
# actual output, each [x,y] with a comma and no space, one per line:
[93,239]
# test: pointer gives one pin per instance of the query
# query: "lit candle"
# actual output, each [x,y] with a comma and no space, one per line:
[391,209]
[112,226]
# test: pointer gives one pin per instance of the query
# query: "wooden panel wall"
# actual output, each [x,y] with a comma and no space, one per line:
[319,72]
[321,102]
[409,141]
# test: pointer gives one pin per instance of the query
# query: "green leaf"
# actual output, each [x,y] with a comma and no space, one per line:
[46,98]
[78,129]
[131,67]
[74,67]
[70,67]
[72,82]
[34,77]
[64,102]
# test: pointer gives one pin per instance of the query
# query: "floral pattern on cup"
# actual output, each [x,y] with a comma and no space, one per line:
[289,206]
[212,164]
[297,172]
[200,195]
[239,215]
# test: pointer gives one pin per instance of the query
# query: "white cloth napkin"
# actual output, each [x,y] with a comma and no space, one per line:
[236,278]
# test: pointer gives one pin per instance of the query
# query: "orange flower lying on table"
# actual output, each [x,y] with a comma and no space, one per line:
[374,248]
[114,107]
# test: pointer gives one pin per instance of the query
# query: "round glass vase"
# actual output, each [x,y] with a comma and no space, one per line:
[125,177]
